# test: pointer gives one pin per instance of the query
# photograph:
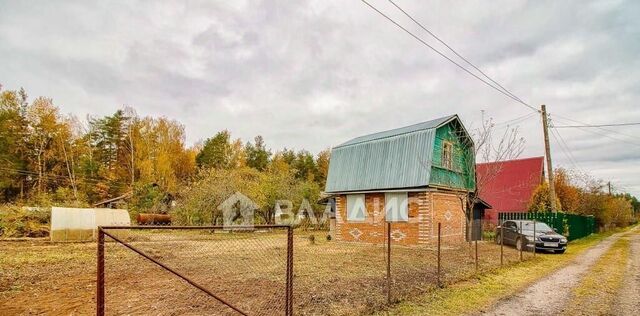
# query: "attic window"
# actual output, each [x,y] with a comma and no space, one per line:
[447,156]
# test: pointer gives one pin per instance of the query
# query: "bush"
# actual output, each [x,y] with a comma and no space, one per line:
[24,222]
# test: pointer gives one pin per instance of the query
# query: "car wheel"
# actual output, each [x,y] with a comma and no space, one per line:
[560,251]
[519,243]
[498,239]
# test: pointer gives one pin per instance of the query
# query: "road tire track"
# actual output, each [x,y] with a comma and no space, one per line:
[628,301]
[549,295]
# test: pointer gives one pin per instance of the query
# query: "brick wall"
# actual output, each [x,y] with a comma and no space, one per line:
[426,209]
[449,212]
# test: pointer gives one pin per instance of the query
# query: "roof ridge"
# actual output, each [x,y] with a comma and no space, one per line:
[511,160]
[355,141]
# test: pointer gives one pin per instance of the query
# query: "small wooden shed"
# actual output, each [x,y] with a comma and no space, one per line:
[415,176]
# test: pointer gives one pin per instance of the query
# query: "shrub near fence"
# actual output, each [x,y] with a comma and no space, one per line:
[574,226]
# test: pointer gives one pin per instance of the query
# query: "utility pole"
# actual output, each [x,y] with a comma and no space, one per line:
[609,185]
[547,149]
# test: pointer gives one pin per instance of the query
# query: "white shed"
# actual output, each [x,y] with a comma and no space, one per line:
[81,224]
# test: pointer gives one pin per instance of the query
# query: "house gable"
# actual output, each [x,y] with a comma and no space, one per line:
[402,158]
[459,172]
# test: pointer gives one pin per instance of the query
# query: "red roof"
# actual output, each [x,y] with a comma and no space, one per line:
[508,185]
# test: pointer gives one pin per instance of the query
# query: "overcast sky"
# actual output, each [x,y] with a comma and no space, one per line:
[313,74]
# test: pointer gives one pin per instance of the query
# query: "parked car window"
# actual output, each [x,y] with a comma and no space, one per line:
[542,227]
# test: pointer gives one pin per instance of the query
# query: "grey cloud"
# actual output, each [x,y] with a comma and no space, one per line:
[311,74]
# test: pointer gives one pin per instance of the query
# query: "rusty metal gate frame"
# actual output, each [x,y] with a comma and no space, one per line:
[100,293]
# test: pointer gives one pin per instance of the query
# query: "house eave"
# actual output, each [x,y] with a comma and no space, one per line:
[411,189]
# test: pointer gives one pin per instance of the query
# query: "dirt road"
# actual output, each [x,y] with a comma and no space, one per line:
[628,302]
[550,295]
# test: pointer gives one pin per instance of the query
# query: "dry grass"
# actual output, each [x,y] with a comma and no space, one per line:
[331,278]
[597,290]
[478,293]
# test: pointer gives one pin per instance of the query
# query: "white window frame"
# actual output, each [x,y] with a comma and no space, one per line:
[396,205]
[355,203]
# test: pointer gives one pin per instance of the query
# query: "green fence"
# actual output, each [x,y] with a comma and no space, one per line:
[571,225]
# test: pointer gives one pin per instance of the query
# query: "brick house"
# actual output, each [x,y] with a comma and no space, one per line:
[415,177]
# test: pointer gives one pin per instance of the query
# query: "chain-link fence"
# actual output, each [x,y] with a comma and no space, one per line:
[339,277]
[194,270]
[275,270]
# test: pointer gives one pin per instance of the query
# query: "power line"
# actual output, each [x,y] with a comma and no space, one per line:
[605,135]
[459,55]
[599,125]
[595,126]
[447,58]
[565,148]
[53,177]
[516,120]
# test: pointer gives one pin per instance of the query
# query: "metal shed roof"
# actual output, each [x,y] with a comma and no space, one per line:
[398,158]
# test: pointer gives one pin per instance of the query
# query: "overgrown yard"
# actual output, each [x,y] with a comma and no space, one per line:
[247,269]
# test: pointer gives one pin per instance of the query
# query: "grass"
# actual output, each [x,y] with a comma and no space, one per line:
[479,293]
[331,278]
[596,292]
[42,253]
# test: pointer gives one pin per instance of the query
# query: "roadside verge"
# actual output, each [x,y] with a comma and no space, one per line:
[477,294]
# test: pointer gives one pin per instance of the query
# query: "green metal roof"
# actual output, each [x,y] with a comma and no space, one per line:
[398,158]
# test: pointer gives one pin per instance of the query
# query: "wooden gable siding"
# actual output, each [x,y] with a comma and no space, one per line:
[462,173]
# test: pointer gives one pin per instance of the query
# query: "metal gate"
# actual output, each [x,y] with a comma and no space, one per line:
[218,245]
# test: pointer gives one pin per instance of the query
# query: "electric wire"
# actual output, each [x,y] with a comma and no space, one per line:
[598,125]
[605,135]
[457,54]
[447,58]
[516,120]
[52,177]
[595,126]
[565,149]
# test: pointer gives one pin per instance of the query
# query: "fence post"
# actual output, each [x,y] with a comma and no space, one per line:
[438,274]
[534,237]
[289,290]
[520,237]
[100,275]
[501,243]
[388,262]
[476,242]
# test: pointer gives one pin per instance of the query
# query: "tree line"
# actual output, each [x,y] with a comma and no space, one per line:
[578,193]
[48,158]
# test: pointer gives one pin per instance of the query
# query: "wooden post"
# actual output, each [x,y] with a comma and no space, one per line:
[289,289]
[534,236]
[100,275]
[547,148]
[438,274]
[501,244]
[476,242]
[388,262]
[520,237]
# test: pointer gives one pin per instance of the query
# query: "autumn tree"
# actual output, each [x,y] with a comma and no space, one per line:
[540,200]
[216,152]
[566,192]
[257,154]
[322,161]
[12,143]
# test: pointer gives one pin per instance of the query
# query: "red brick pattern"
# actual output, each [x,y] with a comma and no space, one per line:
[420,229]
